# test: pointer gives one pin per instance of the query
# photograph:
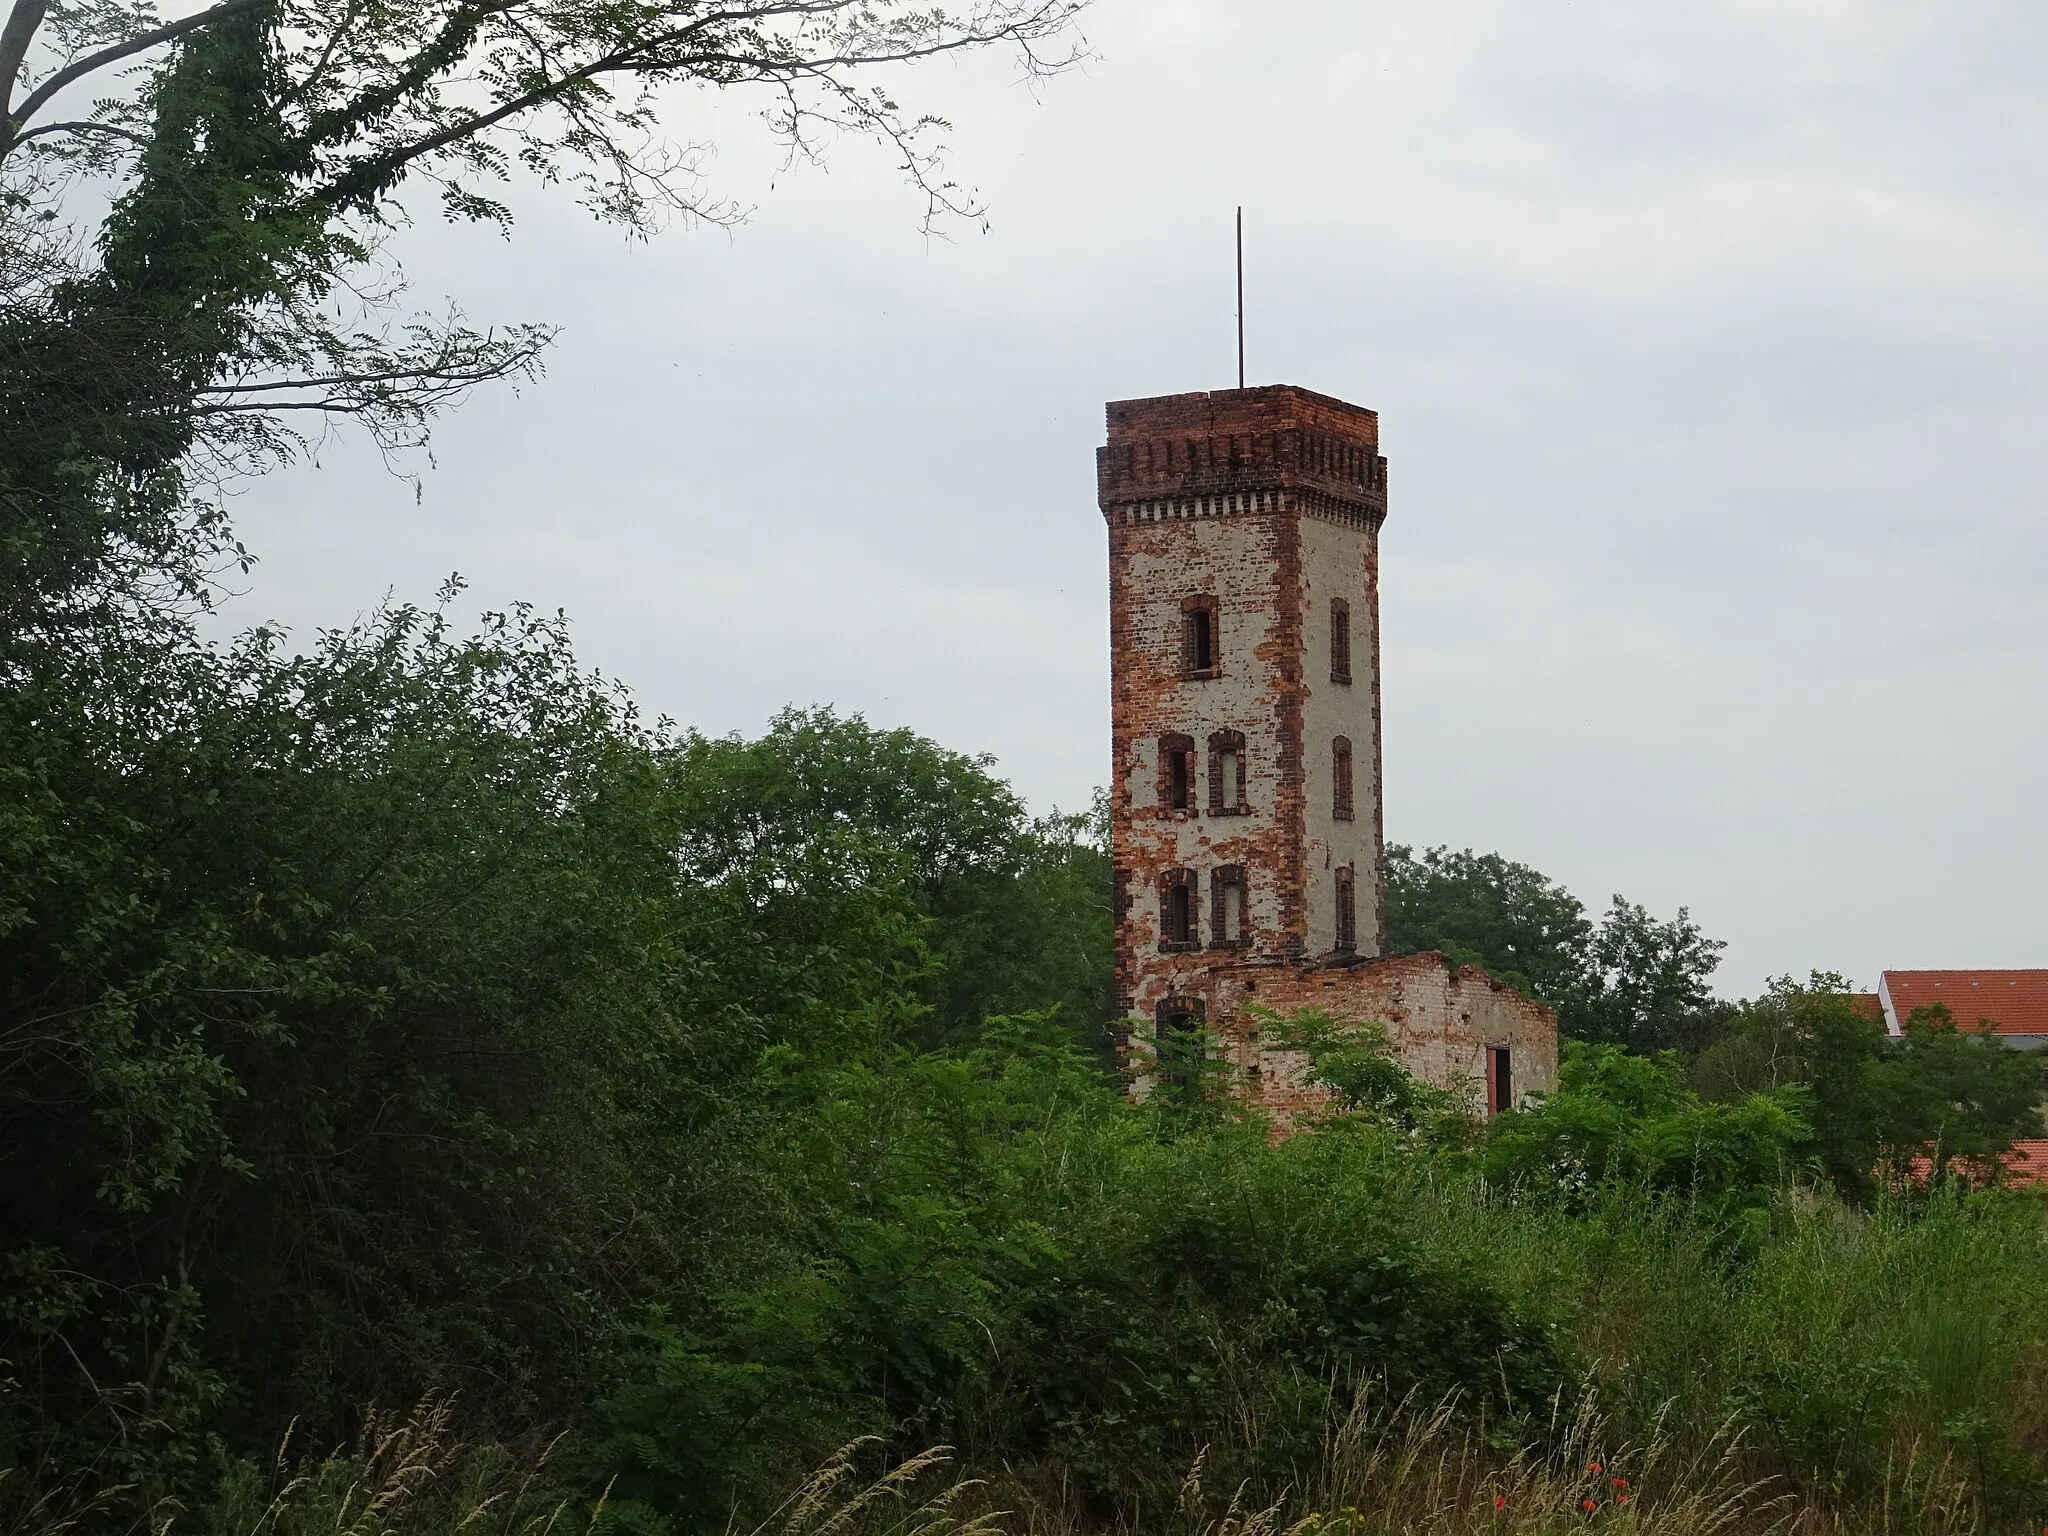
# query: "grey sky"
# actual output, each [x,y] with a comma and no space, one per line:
[1708,345]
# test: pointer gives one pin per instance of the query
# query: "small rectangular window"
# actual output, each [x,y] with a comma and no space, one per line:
[1226,773]
[1227,906]
[1347,910]
[1179,917]
[1177,772]
[1342,803]
[1340,640]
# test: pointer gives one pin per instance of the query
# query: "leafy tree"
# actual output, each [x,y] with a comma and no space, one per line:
[361,1028]
[1485,910]
[233,286]
[1631,1119]
[1643,983]
[1933,1096]
[1631,980]
[408,1013]
[1018,911]
[332,993]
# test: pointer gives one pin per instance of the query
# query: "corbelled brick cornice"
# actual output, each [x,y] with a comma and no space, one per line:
[1229,452]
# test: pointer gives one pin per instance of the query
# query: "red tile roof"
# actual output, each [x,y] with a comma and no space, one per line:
[2025,1165]
[2017,1001]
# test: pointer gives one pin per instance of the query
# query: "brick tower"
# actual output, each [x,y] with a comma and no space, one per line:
[1246,815]
[1244,646]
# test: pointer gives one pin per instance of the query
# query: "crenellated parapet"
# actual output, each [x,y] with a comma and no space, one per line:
[1230,452]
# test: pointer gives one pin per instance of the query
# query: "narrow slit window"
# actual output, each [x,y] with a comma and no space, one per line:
[1340,640]
[1347,910]
[1342,805]
[1200,640]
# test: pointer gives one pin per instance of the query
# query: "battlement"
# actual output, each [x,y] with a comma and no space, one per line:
[1221,451]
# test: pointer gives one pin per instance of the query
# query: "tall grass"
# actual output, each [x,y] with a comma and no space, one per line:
[1816,1371]
[1808,1368]
[1884,1365]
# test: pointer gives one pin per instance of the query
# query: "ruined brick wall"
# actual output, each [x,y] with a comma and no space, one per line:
[1441,1020]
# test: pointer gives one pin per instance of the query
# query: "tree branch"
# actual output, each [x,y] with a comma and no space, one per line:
[81,127]
[367,177]
[168,32]
[445,376]
[23,22]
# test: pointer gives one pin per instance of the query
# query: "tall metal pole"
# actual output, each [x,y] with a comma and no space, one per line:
[1240,296]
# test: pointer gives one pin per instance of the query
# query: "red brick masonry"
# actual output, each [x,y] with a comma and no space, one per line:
[1261,509]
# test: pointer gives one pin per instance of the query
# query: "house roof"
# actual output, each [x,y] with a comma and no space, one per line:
[2025,1166]
[2027,1163]
[2015,1001]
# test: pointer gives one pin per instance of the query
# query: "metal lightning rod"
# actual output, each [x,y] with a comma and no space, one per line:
[1240,296]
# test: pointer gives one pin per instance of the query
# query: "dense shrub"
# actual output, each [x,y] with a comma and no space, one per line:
[1634,1120]
[1018,1263]
[407,1015]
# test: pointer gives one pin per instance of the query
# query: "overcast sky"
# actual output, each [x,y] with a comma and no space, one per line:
[1708,347]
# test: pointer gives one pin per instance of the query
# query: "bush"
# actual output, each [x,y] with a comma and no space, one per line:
[1632,1120]
[408,1016]
[1021,1264]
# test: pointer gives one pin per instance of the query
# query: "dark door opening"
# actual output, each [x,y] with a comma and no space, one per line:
[1500,1080]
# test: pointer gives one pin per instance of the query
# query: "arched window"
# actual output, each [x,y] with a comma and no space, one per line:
[1201,642]
[1179,918]
[1177,772]
[1227,925]
[1340,640]
[1347,910]
[1341,803]
[1226,773]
